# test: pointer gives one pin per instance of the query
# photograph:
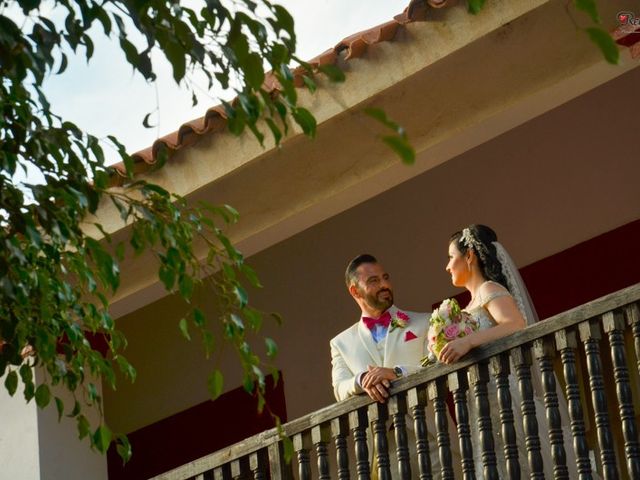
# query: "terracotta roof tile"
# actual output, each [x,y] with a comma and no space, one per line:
[353,46]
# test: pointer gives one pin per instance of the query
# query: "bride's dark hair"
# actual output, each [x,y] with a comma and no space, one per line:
[481,238]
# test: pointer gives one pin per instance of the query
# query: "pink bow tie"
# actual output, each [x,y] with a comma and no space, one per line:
[384,320]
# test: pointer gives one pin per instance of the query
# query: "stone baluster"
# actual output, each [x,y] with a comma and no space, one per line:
[358,423]
[378,415]
[223,472]
[499,366]
[417,400]
[614,324]
[258,465]
[566,343]
[278,466]
[302,445]
[590,335]
[320,437]
[544,352]
[459,386]
[632,312]
[398,412]
[479,376]
[339,431]
[521,358]
[437,392]
[240,468]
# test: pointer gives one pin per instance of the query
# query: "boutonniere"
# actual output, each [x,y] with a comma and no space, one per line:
[400,320]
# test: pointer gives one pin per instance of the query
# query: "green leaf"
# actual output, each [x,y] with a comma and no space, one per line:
[59,407]
[27,378]
[167,276]
[43,396]
[11,382]
[176,56]
[126,368]
[145,121]
[287,445]
[306,120]
[120,249]
[215,384]
[186,286]
[241,295]
[208,342]
[589,6]
[277,317]
[402,147]
[251,275]
[254,318]
[93,392]
[75,411]
[102,438]
[198,317]
[238,323]
[124,448]
[83,426]
[253,71]
[475,6]
[184,328]
[275,131]
[333,72]
[605,42]
[311,85]
[272,348]
[381,116]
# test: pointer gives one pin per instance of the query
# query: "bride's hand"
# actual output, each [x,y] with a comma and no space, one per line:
[454,350]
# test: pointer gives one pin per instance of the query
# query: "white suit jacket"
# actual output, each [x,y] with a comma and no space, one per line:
[354,349]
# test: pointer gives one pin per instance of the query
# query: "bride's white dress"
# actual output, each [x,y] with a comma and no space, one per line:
[485,320]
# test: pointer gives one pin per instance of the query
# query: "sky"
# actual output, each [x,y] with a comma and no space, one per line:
[104,97]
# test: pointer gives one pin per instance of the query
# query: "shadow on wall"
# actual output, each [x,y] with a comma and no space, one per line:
[196,432]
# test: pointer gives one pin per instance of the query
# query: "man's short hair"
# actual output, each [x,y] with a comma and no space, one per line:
[350,274]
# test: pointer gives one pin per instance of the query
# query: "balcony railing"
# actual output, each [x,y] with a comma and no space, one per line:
[592,352]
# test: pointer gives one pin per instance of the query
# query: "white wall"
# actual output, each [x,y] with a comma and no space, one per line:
[19,456]
[35,446]
[62,454]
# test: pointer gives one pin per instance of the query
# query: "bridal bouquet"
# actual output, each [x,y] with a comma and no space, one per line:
[447,323]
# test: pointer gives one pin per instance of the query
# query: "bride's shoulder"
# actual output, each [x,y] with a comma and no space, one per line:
[490,290]
[490,287]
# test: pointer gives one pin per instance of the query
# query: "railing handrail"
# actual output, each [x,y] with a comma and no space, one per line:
[541,329]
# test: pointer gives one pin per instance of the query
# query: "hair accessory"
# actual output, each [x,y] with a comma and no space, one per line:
[469,240]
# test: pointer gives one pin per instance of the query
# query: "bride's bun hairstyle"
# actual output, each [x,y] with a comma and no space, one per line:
[480,238]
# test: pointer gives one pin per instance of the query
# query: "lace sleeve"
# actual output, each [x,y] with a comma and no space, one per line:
[493,296]
[503,292]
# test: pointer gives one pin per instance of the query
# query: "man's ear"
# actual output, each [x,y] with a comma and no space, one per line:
[353,290]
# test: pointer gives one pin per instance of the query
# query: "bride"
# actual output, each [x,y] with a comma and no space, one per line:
[501,305]
[474,265]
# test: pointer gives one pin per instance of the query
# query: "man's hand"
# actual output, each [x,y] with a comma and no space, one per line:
[376,382]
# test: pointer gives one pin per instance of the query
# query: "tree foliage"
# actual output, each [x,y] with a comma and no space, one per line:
[55,279]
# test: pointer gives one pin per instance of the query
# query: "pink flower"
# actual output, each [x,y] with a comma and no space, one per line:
[451,331]
[468,330]
[402,316]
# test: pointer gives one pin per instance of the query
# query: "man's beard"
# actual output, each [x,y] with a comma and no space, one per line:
[375,302]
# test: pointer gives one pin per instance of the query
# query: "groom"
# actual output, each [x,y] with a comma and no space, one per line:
[384,345]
